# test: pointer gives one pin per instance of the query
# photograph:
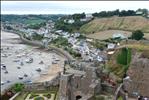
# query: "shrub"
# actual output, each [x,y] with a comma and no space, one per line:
[99,98]
[18,87]
[120,98]
[47,95]
[39,98]
[33,95]
[137,35]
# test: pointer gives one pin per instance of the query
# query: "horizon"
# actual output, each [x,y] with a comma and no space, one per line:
[67,7]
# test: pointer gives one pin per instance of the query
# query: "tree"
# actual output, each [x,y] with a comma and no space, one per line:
[8,27]
[18,87]
[37,36]
[137,35]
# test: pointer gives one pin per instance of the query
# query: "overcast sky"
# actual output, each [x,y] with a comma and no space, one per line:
[68,7]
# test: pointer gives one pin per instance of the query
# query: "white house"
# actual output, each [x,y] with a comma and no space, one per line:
[83,19]
[88,16]
[99,58]
[111,46]
[59,31]
[76,35]
[72,40]
[89,40]
[139,13]
[119,35]
[70,21]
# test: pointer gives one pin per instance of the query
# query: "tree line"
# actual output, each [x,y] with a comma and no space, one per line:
[61,25]
[119,13]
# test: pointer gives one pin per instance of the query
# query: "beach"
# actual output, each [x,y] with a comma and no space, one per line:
[25,63]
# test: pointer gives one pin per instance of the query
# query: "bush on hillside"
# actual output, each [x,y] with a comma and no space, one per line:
[137,35]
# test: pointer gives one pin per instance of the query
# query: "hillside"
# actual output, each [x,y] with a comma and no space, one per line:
[29,19]
[121,60]
[130,23]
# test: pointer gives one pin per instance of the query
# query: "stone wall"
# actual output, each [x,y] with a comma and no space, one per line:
[43,85]
[84,85]
[138,72]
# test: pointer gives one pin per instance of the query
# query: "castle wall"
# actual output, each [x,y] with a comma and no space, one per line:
[84,85]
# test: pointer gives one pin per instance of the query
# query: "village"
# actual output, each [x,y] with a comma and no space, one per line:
[81,65]
[77,40]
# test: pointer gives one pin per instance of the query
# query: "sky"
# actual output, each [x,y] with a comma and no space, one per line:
[68,7]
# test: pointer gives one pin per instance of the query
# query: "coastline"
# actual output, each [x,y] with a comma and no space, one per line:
[31,51]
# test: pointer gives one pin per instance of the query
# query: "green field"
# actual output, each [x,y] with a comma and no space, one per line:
[124,57]
[34,21]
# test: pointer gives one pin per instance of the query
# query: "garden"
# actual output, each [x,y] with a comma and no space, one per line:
[39,95]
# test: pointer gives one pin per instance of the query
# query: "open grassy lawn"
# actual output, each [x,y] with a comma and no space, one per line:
[138,46]
[124,57]
[34,21]
[106,34]
[119,62]
[103,35]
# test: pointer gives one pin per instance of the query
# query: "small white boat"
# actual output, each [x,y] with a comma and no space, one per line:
[2,83]
[20,77]
[38,69]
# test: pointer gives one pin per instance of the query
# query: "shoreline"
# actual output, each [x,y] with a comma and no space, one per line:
[36,51]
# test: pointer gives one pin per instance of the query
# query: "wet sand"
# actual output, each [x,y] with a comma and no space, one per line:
[11,50]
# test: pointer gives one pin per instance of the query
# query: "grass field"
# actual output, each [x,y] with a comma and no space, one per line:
[102,35]
[119,62]
[130,23]
[138,46]
[124,57]
[34,21]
